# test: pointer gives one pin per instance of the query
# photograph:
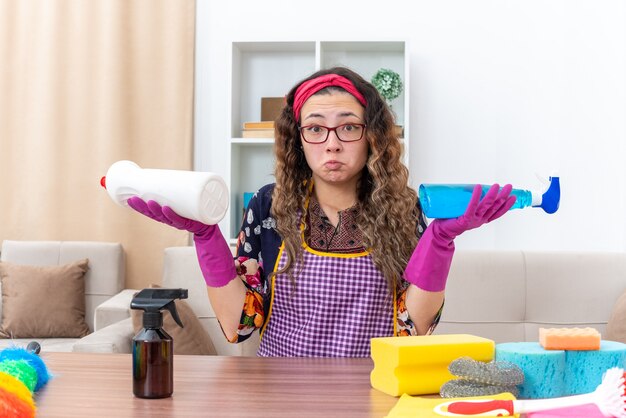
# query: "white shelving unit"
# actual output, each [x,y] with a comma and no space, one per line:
[270,69]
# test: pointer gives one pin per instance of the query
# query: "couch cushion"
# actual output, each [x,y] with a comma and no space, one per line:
[479,285]
[43,302]
[104,278]
[509,295]
[572,288]
[114,338]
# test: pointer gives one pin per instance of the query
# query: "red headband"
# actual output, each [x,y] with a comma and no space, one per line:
[310,87]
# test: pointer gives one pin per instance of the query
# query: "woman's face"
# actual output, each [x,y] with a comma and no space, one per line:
[334,161]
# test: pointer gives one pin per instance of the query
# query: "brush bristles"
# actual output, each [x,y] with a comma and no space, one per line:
[611,394]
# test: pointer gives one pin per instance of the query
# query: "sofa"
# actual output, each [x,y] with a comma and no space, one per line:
[104,277]
[508,295]
[501,295]
[180,270]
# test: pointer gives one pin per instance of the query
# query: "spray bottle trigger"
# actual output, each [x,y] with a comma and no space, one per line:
[551,199]
[172,308]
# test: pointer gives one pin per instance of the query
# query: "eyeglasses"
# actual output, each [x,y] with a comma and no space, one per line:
[318,134]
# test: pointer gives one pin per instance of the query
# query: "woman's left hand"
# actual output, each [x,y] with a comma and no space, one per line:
[430,262]
[479,211]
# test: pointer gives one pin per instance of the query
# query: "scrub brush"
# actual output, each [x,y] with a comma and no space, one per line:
[609,397]
[478,378]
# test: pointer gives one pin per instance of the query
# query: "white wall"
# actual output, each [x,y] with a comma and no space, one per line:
[500,90]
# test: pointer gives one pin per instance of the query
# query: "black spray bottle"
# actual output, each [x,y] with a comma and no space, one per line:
[153,349]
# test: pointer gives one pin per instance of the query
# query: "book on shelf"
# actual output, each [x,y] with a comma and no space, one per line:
[269,124]
[262,129]
[257,133]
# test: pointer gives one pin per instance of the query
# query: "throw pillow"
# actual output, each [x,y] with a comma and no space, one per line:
[192,339]
[616,327]
[43,301]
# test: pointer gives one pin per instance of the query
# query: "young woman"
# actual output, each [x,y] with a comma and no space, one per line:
[337,251]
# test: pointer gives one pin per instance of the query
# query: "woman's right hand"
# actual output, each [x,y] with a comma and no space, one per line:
[214,255]
[166,215]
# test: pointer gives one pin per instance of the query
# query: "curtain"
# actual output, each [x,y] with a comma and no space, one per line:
[85,83]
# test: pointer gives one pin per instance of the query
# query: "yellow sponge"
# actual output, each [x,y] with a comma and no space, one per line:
[419,365]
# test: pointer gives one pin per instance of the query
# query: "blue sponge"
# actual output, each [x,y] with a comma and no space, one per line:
[543,370]
[584,369]
[554,373]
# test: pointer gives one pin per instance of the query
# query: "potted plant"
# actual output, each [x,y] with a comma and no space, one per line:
[388,84]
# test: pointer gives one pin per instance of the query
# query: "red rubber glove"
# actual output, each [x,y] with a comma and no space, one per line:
[430,262]
[214,255]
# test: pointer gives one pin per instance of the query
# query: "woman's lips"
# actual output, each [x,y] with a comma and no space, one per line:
[332,165]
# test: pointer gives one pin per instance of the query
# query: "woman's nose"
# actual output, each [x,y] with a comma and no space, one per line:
[333,143]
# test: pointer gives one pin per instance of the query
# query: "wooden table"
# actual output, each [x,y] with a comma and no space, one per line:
[100,385]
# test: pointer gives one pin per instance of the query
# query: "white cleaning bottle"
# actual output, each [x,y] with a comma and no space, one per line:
[201,196]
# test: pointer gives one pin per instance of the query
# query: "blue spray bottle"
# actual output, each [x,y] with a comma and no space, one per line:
[450,200]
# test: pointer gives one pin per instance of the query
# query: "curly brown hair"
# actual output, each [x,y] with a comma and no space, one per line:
[388,213]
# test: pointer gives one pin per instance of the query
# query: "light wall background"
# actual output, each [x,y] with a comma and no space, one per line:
[500,90]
